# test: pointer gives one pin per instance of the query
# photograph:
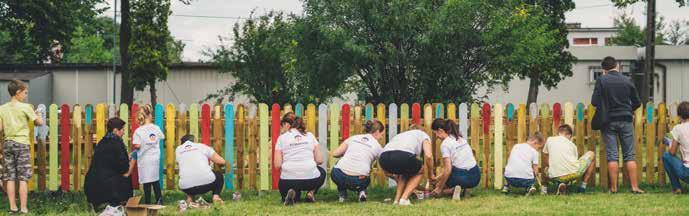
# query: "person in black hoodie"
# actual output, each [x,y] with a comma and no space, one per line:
[107,180]
[620,97]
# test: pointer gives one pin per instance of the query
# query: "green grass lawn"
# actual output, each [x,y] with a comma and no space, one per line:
[484,202]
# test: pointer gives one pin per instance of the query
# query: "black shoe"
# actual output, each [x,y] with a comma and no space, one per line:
[362,196]
[289,199]
[160,201]
[581,190]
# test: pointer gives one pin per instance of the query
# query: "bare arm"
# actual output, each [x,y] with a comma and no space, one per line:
[428,158]
[673,147]
[277,161]
[217,159]
[317,156]
[442,178]
[38,121]
[339,152]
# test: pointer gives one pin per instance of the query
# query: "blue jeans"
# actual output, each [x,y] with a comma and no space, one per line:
[675,170]
[465,178]
[625,131]
[346,182]
[519,182]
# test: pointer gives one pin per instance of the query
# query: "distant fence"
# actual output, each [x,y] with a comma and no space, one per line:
[245,136]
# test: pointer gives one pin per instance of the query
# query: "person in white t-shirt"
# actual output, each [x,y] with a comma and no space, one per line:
[675,167]
[460,171]
[522,166]
[146,144]
[399,161]
[297,156]
[563,163]
[356,154]
[196,175]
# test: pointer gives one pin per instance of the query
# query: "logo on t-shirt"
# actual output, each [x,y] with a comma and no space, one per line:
[365,139]
[298,138]
[152,137]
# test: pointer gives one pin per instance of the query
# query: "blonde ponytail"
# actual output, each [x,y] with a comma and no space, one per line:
[144,112]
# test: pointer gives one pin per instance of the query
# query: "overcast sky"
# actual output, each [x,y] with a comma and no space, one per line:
[201,33]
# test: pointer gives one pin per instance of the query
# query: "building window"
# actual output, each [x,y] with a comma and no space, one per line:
[585,41]
[597,71]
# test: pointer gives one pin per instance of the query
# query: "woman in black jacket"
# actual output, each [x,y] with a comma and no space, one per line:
[107,180]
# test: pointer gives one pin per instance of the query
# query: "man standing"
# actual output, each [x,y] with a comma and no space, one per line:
[621,99]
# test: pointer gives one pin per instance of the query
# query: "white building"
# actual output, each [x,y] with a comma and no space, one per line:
[579,36]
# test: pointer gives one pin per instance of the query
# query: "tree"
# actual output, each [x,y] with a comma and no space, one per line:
[428,51]
[149,50]
[555,62]
[264,59]
[678,33]
[87,49]
[37,27]
[631,34]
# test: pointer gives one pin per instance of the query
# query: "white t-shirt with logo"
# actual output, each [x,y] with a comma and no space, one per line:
[361,151]
[194,169]
[680,133]
[297,155]
[148,138]
[409,141]
[562,156]
[459,152]
[521,161]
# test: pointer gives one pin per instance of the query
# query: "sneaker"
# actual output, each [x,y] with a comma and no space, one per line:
[405,202]
[236,196]
[202,204]
[342,196]
[581,190]
[457,194]
[544,190]
[362,196]
[289,199]
[561,189]
[109,211]
[183,206]
[505,189]
[532,190]
[309,197]
[159,201]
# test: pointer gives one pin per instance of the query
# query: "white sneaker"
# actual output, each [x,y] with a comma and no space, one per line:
[341,199]
[457,194]
[405,202]
[113,211]
[362,196]
[544,190]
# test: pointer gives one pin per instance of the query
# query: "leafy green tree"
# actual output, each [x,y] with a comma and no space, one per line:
[149,48]
[550,62]
[264,59]
[87,49]
[406,51]
[631,34]
[37,27]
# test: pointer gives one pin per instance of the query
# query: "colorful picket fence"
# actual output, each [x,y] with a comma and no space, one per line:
[245,136]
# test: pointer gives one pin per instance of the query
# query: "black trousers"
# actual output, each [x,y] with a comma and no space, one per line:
[156,190]
[215,186]
[301,184]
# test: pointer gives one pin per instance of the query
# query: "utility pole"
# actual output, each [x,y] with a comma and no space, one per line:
[649,60]
[114,63]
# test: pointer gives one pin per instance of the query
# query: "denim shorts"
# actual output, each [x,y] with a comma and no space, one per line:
[625,132]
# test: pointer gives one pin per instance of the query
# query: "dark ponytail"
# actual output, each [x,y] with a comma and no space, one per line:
[372,126]
[449,126]
[294,122]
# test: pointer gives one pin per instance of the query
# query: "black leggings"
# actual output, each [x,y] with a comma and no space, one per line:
[301,184]
[215,186]
[156,190]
